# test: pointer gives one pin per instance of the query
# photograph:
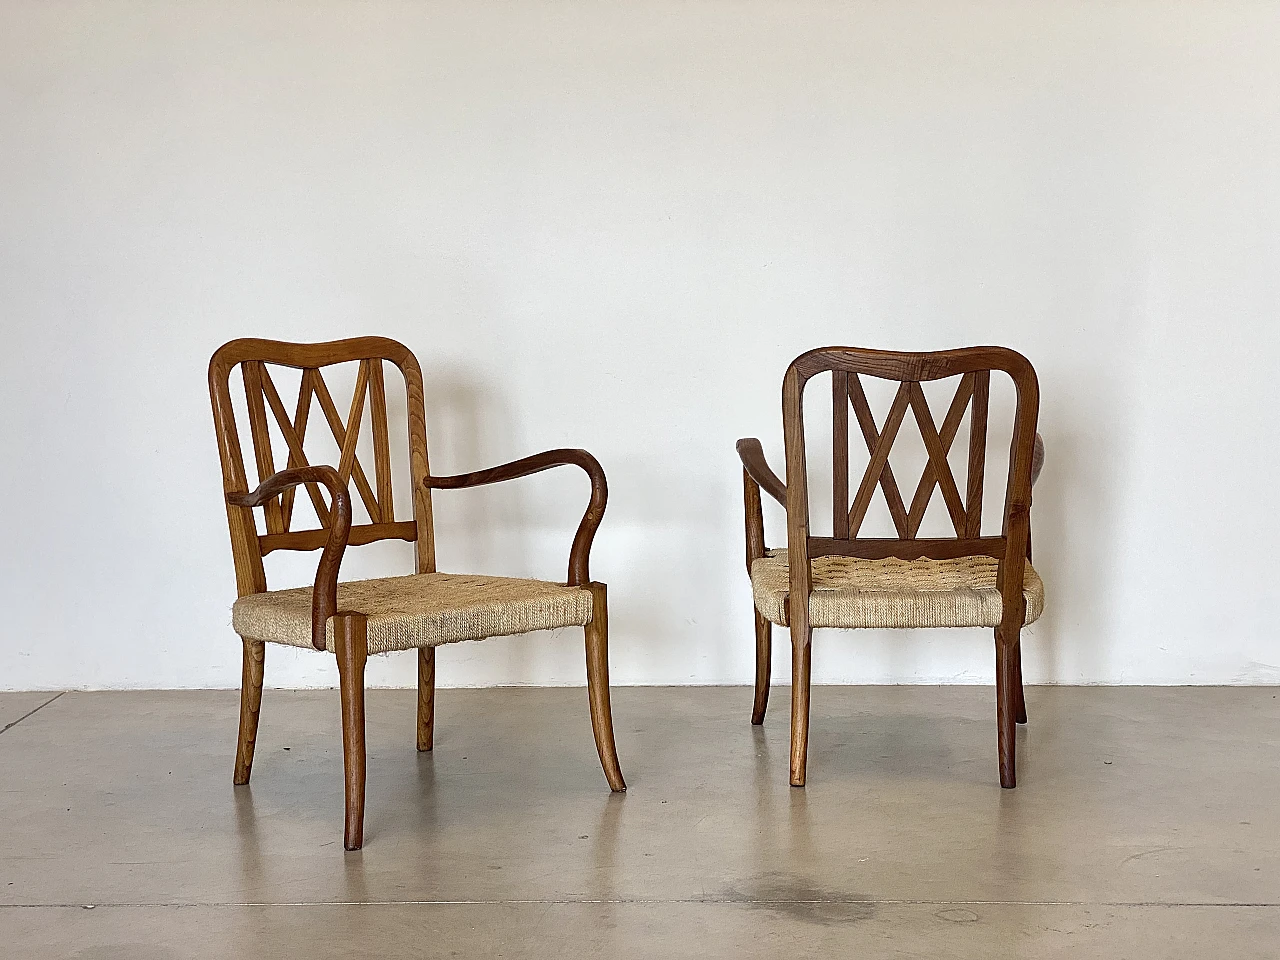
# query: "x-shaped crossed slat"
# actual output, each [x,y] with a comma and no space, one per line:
[346,435]
[878,445]
[937,471]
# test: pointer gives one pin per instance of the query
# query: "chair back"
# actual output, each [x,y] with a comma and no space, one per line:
[256,358]
[973,366]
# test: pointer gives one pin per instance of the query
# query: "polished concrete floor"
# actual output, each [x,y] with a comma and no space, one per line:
[1146,824]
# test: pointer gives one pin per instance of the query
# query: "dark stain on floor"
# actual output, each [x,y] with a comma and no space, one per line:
[798,899]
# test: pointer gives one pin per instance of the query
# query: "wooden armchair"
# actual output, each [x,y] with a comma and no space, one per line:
[358,618]
[849,581]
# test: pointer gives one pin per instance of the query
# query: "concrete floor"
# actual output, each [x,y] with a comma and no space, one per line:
[1146,824]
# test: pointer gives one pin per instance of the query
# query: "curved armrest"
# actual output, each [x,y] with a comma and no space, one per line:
[580,553]
[1037,459]
[324,596]
[753,461]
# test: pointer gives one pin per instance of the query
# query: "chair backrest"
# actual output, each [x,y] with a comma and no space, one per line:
[255,359]
[973,366]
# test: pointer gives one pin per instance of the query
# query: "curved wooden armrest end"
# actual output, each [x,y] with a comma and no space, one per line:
[751,453]
[324,595]
[580,552]
[1037,459]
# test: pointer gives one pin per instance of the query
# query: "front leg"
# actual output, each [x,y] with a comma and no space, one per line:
[597,637]
[351,644]
[801,669]
[250,704]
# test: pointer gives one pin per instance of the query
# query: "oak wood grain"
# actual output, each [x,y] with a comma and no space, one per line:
[251,676]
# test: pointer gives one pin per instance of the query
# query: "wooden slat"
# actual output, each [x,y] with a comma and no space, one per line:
[419,465]
[299,425]
[253,373]
[879,461]
[316,539]
[929,479]
[339,430]
[977,453]
[300,417]
[888,483]
[381,441]
[936,549]
[347,456]
[840,452]
[297,456]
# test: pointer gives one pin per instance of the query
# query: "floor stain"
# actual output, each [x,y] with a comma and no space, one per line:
[796,898]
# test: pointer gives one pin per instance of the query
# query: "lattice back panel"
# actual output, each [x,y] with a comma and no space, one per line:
[269,415]
[963,504]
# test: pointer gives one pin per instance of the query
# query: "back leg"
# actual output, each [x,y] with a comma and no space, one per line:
[1019,695]
[764,661]
[250,704]
[1006,711]
[426,697]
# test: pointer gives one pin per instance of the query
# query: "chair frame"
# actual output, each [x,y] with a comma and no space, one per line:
[847,364]
[276,491]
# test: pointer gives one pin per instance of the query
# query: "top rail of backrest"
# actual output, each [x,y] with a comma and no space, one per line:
[303,355]
[254,355]
[917,367]
[910,369]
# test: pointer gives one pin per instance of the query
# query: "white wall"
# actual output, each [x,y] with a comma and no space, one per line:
[612,225]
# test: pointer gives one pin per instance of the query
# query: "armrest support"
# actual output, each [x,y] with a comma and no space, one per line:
[324,596]
[580,552]
[757,467]
[1037,459]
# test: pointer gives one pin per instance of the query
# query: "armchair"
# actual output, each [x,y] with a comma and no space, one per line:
[848,581]
[353,619]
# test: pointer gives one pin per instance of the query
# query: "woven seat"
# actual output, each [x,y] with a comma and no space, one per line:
[423,610]
[852,593]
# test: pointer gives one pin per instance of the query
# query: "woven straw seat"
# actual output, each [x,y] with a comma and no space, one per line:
[423,610]
[850,592]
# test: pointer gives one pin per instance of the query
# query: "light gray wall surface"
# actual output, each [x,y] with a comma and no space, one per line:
[612,225]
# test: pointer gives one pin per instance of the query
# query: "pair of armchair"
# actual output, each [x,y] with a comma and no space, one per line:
[851,582]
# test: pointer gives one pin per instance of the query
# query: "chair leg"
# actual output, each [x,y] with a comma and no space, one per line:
[1006,711]
[1020,699]
[764,661]
[426,697]
[250,704]
[801,662]
[351,643]
[597,637]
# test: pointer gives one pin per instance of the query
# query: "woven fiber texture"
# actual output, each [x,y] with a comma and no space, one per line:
[423,610]
[849,592]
